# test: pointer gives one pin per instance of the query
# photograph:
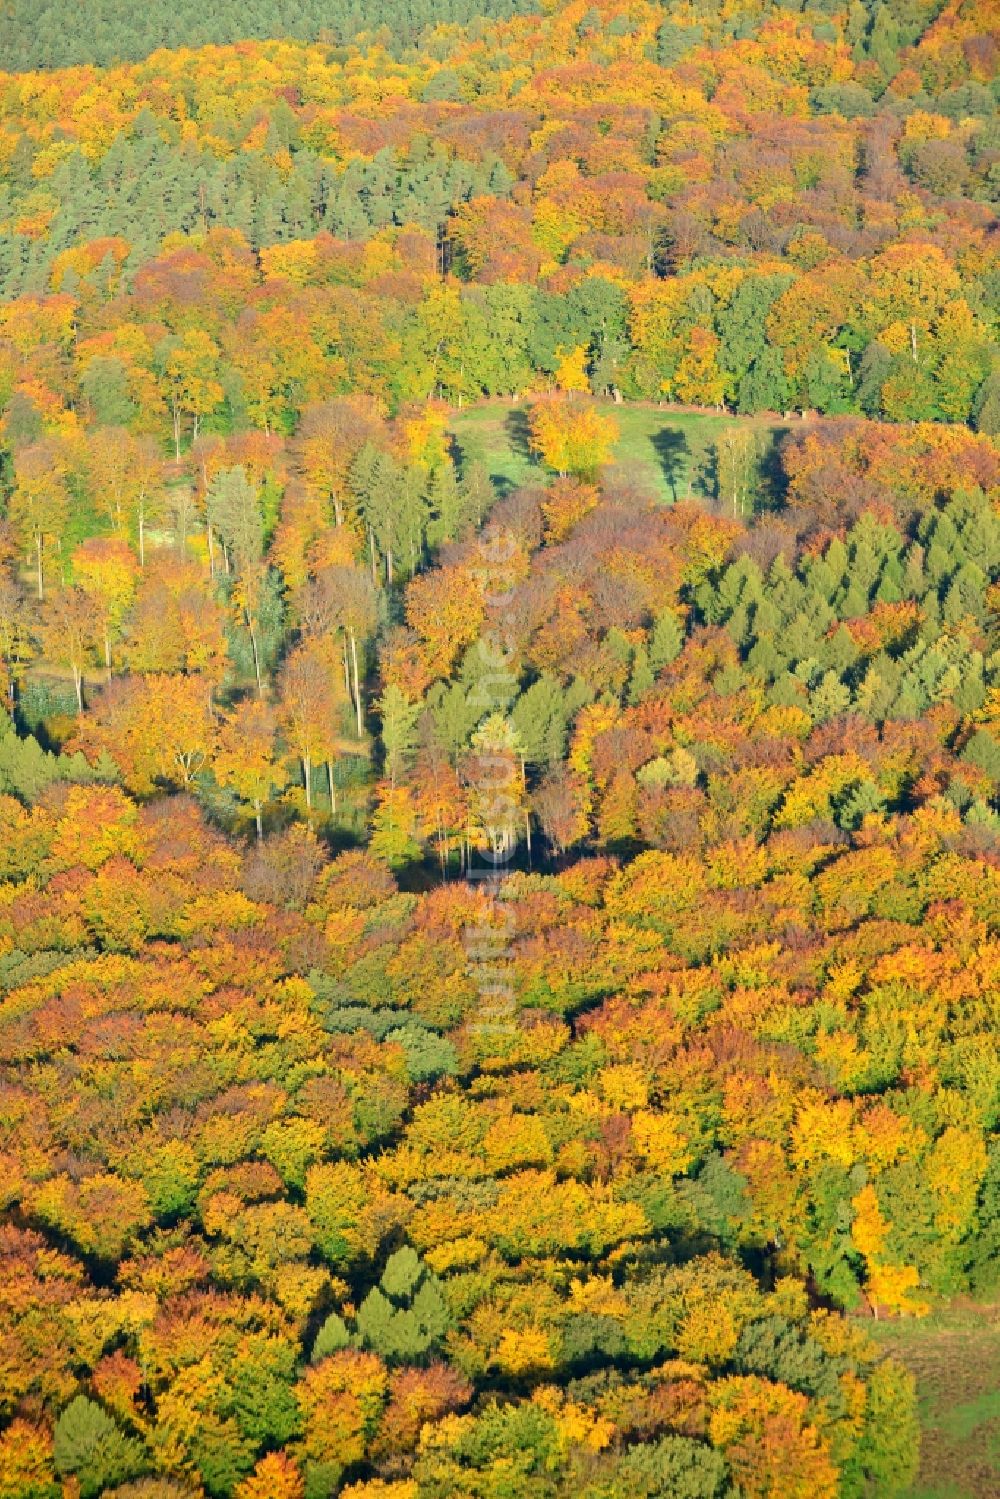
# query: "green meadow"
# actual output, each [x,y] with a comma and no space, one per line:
[665,450]
[955,1356]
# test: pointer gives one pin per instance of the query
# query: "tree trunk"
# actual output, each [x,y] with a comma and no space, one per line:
[259,819]
[256,653]
[357,686]
[142,537]
[177,432]
[307,777]
[38,554]
[333,794]
[78,684]
[347,673]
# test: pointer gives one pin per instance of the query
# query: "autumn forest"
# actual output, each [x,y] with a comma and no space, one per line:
[499,745]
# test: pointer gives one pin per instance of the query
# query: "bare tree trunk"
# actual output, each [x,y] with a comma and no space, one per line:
[333,794]
[307,777]
[259,819]
[347,672]
[256,653]
[38,555]
[357,686]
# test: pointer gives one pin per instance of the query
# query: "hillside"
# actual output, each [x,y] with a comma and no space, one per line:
[42,34]
[499,751]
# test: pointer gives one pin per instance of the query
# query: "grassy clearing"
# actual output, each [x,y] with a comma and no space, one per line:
[955,1356]
[661,448]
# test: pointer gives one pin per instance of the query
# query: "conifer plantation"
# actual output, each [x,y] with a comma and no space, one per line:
[499,749]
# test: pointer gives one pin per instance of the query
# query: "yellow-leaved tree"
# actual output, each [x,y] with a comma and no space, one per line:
[571,434]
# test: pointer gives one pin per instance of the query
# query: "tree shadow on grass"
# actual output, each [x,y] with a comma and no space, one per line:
[465,454]
[673,451]
[518,432]
[773,479]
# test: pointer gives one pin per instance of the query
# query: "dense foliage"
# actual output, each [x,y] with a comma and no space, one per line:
[497,982]
[43,34]
[798,216]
